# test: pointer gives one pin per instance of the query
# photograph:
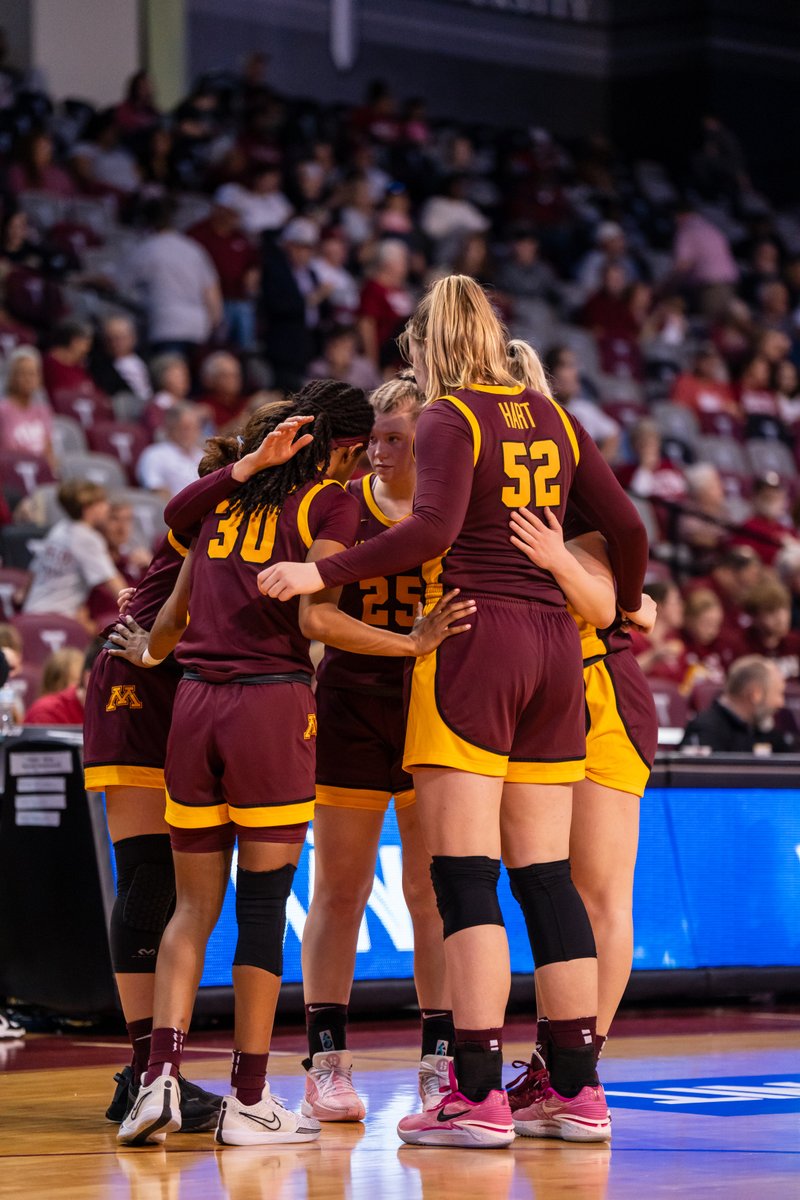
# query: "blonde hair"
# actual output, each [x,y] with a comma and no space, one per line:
[464,341]
[526,366]
[61,670]
[398,395]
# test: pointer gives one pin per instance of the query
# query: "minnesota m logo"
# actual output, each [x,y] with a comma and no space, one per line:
[311,727]
[123,695]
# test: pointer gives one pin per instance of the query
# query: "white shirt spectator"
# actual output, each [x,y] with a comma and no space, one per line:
[445,216]
[598,424]
[258,212]
[165,467]
[176,274]
[71,560]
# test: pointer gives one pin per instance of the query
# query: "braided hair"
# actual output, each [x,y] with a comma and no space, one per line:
[340,412]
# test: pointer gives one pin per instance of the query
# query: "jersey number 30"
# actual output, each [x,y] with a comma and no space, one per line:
[538,480]
[259,539]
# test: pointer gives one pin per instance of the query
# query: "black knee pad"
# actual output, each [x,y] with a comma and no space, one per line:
[144,903]
[261,915]
[558,926]
[466,891]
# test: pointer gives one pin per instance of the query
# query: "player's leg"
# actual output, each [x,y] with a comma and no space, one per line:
[603,843]
[143,904]
[345,851]
[430,972]
[250,1115]
[202,870]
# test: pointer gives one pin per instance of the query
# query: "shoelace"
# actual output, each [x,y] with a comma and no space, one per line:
[335,1080]
[431,1080]
[529,1078]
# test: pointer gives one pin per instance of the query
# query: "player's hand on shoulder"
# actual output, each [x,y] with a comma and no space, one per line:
[130,641]
[441,622]
[277,447]
[540,541]
[645,617]
[124,597]
[287,579]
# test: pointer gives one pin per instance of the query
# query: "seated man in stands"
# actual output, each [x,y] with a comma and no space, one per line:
[64,365]
[166,467]
[74,557]
[770,527]
[65,707]
[770,633]
[742,718]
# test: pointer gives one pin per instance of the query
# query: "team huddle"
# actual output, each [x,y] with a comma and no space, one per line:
[489,543]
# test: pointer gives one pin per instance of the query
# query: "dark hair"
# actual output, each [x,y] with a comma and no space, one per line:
[67,331]
[659,589]
[339,411]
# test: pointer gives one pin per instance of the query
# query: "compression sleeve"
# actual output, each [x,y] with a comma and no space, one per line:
[603,504]
[444,452]
[185,511]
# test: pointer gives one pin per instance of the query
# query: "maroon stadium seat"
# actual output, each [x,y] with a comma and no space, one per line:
[85,406]
[704,695]
[22,474]
[44,633]
[26,684]
[672,709]
[121,439]
[14,584]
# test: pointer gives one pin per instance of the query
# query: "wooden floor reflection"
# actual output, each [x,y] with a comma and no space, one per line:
[54,1142]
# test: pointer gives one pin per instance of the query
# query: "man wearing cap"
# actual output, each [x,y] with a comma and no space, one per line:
[291,295]
[237,262]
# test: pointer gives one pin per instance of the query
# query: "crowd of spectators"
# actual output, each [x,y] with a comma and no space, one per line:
[162,273]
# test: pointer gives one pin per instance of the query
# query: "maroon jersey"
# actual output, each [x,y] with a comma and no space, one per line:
[482,452]
[385,602]
[159,579]
[233,630]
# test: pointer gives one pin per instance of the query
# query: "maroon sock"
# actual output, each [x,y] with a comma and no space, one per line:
[139,1034]
[573,1035]
[166,1048]
[599,1043]
[248,1076]
[487,1039]
[543,1039]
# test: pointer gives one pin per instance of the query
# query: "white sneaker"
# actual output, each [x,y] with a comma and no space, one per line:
[434,1078]
[330,1095]
[9,1028]
[156,1112]
[267,1123]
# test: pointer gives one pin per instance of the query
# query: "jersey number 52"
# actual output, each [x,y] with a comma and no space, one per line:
[533,470]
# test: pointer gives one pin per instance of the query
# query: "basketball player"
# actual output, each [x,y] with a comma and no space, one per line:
[496,734]
[240,758]
[127,718]
[361,717]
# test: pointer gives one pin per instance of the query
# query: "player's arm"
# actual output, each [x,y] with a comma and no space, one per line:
[322,620]
[606,507]
[580,568]
[148,649]
[186,510]
[445,465]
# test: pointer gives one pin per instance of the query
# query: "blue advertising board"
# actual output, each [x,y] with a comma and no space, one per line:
[717,885]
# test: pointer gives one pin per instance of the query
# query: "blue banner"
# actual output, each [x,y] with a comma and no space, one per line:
[717,885]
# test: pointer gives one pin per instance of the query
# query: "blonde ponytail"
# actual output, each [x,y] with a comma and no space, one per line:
[526,366]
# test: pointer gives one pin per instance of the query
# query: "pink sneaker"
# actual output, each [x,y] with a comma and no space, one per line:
[530,1085]
[457,1121]
[583,1118]
[330,1095]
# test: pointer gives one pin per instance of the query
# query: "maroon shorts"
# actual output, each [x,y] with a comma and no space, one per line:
[127,715]
[360,750]
[240,760]
[505,699]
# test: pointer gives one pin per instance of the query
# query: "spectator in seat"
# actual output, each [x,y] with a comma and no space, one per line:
[237,263]
[137,112]
[742,718]
[74,557]
[770,634]
[262,206]
[446,218]
[33,170]
[330,267]
[26,421]
[178,284]
[291,294]
[61,670]
[703,262]
[608,311]
[130,559]
[758,402]
[706,389]
[64,366]
[611,249]
[222,396]
[733,576]
[661,654]
[770,527]
[102,165]
[172,383]
[65,707]
[340,360]
[786,385]
[524,275]
[358,216]
[166,467]
[703,527]
[561,364]
[710,648]
[11,649]
[386,303]
[651,475]
[116,365]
